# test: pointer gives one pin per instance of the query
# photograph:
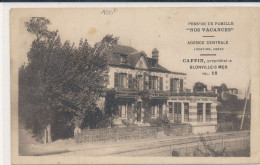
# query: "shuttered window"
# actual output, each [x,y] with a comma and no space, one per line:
[161,83]
[174,82]
[154,83]
[150,82]
[122,80]
[171,84]
[130,81]
[116,80]
[139,82]
[181,85]
[146,83]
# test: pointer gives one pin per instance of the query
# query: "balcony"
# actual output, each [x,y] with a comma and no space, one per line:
[157,94]
[189,93]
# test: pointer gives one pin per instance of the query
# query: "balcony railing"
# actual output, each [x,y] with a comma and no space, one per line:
[133,93]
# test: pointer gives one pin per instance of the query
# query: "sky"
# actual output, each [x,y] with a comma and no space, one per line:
[161,28]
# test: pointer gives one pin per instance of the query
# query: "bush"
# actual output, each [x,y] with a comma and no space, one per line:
[159,121]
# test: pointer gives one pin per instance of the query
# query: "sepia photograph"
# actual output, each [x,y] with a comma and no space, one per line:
[133,82]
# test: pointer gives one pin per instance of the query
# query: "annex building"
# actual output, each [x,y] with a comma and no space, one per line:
[146,91]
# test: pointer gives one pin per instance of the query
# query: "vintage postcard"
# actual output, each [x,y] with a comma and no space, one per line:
[135,85]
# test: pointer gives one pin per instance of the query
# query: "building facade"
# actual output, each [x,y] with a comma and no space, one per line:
[145,91]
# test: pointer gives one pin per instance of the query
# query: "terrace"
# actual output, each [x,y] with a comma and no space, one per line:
[155,94]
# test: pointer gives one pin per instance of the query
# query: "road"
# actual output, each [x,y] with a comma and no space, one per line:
[155,147]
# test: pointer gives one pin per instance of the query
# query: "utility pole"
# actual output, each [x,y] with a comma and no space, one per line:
[247,94]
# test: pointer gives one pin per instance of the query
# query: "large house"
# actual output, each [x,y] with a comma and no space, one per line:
[147,91]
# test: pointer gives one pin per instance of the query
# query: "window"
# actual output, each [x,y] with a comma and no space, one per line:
[170,107]
[139,82]
[181,85]
[174,82]
[123,59]
[154,83]
[122,80]
[146,81]
[200,112]
[208,112]
[154,110]
[177,112]
[186,112]
[130,81]
[161,83]
[122,111]
[116,80]
[160,110]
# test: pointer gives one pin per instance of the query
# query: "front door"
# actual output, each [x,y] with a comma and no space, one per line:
[139,107]
[177,112]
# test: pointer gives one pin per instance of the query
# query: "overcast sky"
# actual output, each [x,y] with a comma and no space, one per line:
[164,29]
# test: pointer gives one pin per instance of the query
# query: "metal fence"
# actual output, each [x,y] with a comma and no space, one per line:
[217,143]
[189,146]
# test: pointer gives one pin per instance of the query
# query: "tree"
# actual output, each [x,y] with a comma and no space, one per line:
[199,87]
[36,107]
[61,83]
[223,86]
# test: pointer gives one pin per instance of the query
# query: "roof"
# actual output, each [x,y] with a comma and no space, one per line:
[132,56]
[232,89]
[121,49]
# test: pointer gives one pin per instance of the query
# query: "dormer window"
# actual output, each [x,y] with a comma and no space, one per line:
[122,59]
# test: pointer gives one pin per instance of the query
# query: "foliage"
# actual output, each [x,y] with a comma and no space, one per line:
[61,78]
[159,121]
[223,87]
[175,154]
[111,103]
[235,106]
[96,119]
[146,105]
[209,150]
[127,122]
[199,87]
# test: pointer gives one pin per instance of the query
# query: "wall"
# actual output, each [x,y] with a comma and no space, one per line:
[166,76]
[199,127]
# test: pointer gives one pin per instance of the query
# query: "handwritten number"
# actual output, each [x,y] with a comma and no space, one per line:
[109,12]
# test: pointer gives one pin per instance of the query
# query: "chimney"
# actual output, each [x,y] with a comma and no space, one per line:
[155,54]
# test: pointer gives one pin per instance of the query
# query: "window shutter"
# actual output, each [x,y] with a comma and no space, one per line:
[130,81]
[136,85]
[150,82]
[144,83]
[126,79]
[181,85]
[171,84]
[161,83]
[147,81]
[116,80]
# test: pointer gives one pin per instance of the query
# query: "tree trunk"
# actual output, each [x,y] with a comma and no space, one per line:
[47,134]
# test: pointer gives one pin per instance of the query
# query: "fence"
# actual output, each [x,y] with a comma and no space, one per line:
[216,145]
[225,126]
[187,146]
[115,134]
